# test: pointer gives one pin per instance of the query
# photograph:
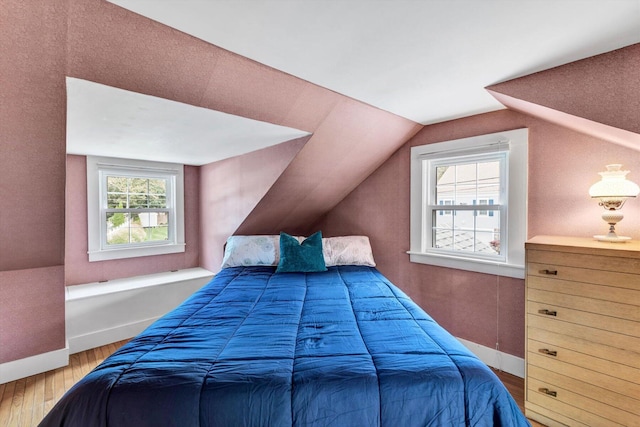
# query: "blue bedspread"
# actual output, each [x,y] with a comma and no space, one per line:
[253,348]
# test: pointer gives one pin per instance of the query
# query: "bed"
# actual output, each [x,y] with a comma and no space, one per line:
[261,347]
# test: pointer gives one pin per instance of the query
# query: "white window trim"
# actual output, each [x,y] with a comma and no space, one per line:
[516,221]
[94,167]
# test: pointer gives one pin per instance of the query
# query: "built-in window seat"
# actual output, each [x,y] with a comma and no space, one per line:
[104,312]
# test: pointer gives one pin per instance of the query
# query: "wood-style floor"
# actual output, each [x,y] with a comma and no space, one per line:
[23,403]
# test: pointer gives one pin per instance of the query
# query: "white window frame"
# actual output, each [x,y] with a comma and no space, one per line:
[97,170]
[513,211]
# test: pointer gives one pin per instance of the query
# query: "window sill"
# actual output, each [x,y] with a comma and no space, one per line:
[89,290]
[477,265]
[136,252]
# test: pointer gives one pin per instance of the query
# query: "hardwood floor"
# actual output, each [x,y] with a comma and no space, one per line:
[23,403]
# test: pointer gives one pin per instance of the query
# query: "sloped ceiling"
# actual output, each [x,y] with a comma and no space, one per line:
[109,45]
[427,61]
[599,96]
[350,138]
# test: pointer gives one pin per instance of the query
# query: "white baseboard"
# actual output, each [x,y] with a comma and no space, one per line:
[99,338]
[22,368]
[496,359]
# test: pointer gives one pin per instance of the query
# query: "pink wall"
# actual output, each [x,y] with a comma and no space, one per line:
[483,308]
[32,175]
[32,312]
[231,188]
[42,42]
[79,270]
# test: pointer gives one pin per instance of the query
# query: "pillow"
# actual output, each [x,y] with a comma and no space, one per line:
[251,250]
[305,257]
[348,250]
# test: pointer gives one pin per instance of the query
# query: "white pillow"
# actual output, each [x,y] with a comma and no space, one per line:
[251,250]
[347,250]
[244,251]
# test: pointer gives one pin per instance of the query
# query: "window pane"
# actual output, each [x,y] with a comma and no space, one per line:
[157,186]
[157,201]
[154,224]
[116,200]
[119,229]
[466,184]
[489,181]
[467,231]
[124,228]
[138,201]
[116,184]
[139,185]
[136,193]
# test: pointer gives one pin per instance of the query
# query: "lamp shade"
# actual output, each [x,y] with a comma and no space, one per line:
[614,184]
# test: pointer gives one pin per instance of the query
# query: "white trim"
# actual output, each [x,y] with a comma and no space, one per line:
[100,313]
[496,359]
[22,368]
[96,251]
[516,222]
[102,337]
[479,265]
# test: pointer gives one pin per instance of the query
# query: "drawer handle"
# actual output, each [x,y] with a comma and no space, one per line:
[548,392]
[549,272]
[548,352]
[548,312]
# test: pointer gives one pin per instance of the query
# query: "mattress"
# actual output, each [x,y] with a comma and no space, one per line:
[343,347]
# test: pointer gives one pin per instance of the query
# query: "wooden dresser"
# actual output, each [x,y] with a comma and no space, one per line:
[583,332]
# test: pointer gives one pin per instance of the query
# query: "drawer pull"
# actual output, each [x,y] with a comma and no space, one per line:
[548,312]
[548,392]
[549,272]
[548,352]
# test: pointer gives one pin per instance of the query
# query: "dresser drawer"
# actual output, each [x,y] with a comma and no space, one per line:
[584,274]
[604,366]
[549,418]
[577,406]
[552,307]
[608,300]
[554,380]
[586,375]
[587,333]
[611,263]
[556,341]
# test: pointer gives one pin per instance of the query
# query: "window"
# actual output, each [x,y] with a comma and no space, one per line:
[482,183]
[135,208]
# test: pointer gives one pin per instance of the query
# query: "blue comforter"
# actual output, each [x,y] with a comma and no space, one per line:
[253,348]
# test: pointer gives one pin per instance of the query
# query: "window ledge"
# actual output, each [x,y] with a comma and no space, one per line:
[88,290]
[480,266]
[119,253]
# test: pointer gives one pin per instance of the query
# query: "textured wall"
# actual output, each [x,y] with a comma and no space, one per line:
[230,190]
[32,175]
[483,308]
[604,89]
[79,270]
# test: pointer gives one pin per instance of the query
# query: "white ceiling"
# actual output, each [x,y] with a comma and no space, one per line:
[106,121]
[426,60]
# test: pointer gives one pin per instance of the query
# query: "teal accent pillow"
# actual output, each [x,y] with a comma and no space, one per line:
[305,257]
